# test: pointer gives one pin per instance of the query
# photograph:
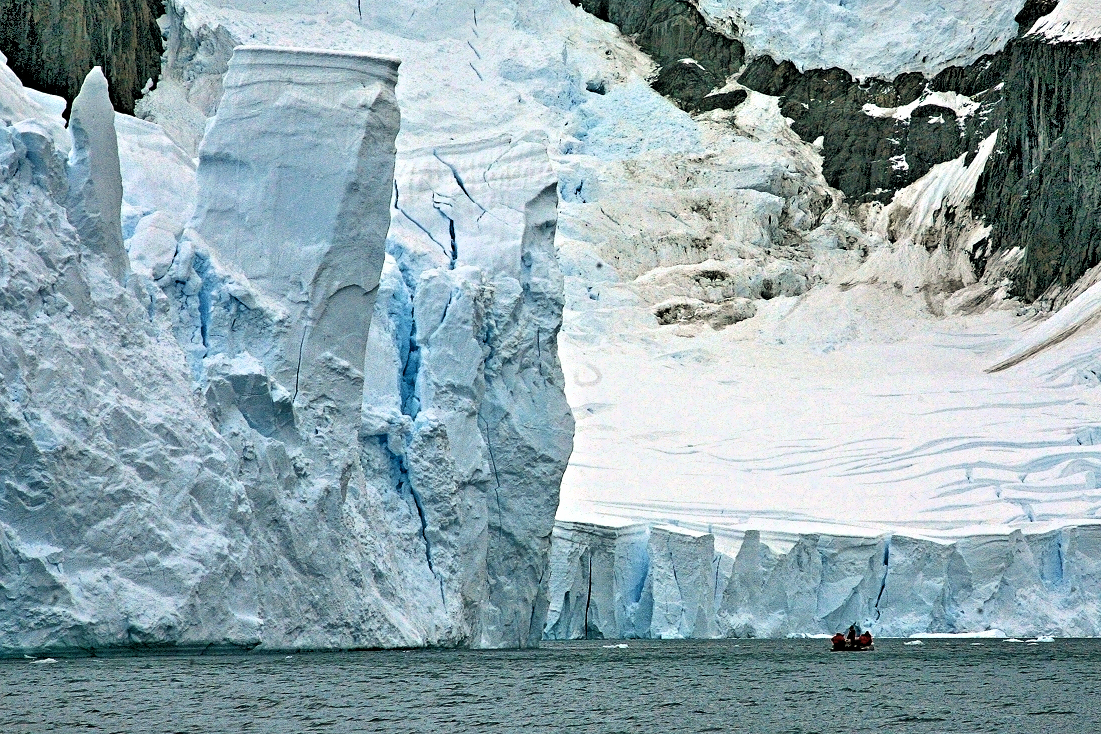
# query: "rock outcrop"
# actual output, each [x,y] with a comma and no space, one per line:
[1041,194]
[1044,192]
[693,57]
[51,46]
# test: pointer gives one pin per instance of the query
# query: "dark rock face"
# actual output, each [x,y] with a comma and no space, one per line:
[870,158]
[670,31]
[1043,190]
[52,44]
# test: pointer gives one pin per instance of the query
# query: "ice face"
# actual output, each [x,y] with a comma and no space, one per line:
[895,585]
[484,432]
[204,503]
[95,181]
[295,174]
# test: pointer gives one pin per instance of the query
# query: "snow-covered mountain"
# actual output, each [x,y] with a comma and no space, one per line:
[802,311]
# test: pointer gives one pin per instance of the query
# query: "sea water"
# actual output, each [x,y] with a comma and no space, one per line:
[647,687]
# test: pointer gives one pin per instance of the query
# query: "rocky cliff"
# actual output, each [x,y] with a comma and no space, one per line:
[1044,190]
[51,46]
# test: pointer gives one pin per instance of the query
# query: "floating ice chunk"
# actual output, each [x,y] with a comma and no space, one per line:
[95,176]
[994,634]
[912,643]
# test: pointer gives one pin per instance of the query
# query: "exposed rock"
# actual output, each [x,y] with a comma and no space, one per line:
[1043,193]
[674,32]
[718,315]
[878,136]
[52,44]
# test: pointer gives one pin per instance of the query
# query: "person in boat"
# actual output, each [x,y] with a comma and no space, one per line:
[851,636]
[865,639]
[838,641]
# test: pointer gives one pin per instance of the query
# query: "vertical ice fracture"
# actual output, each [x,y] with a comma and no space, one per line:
[295,175]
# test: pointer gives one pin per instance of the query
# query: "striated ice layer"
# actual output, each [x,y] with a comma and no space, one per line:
[1043,584]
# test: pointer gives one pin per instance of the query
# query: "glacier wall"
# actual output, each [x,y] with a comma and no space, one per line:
[477,421]
[164,488]
[295,174]
[634,581]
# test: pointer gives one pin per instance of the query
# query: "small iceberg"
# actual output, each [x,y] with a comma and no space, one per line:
[1012,639]
[994,634]
[44,660]
[620,646]
[913,642]
[1043,638]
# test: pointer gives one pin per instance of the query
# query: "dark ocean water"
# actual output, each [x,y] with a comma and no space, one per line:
[649,687]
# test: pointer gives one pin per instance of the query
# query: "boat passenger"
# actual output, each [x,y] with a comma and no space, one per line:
[865,639]
[838,641]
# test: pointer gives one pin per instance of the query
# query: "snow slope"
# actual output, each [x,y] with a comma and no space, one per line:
[868,38]
[1072,21]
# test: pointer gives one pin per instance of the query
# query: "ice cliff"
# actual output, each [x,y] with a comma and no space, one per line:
[269,432]
[636,581]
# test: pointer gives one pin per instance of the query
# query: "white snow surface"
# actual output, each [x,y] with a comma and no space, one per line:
[870,38]
[1072,21]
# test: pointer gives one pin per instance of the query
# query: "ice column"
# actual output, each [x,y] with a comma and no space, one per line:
[295,179]
[95,180]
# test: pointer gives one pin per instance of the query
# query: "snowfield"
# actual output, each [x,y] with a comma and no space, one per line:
[1072,21]
[882,38]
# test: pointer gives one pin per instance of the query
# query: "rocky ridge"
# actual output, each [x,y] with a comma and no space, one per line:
[51,46]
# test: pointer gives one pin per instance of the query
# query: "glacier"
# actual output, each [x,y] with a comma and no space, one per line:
[183,491]
[774,389]
[616,580]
